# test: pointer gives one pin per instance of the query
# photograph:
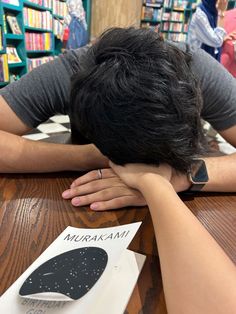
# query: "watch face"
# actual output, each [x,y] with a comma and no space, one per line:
[198,172]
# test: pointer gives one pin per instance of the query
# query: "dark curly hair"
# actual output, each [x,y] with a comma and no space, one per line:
[137,100]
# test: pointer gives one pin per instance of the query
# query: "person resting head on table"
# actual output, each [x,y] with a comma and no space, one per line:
[137,98]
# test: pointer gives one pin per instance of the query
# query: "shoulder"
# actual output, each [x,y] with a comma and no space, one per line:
[204,66]
[200,14]
[74,58]
[218,89]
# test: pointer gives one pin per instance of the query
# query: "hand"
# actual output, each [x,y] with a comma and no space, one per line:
[102,194]
[222,5]
[131,174]
[230,36]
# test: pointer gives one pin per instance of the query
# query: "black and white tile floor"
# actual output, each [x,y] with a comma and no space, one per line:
[58,124]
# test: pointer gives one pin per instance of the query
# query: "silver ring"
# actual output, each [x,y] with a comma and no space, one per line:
[99,174]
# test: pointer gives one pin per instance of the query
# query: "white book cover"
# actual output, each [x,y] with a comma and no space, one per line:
[84,271]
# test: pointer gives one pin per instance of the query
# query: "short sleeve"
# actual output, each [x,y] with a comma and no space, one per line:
[45,91]
[218,90]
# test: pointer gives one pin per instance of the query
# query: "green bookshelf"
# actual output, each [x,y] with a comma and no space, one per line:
[36,6]
[169,17]
[27,43]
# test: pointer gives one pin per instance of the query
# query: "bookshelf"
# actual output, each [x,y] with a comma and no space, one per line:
[171,17]
[38,29]
[168,17]
[38,38]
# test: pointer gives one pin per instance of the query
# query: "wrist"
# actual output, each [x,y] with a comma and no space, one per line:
[148,180]
[221,14]
[90,158]
[180,182]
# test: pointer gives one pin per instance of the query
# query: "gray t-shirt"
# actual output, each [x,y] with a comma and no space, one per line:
[45,91]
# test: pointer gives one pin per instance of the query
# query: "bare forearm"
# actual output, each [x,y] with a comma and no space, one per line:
[197,275]
[221,20]
[222,173]
[21,155]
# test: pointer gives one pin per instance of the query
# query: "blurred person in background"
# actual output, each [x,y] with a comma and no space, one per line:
[228,56]
[206,29]
[76,25]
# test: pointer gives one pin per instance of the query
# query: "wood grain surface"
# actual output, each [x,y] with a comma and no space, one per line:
[110,13]
[33,214]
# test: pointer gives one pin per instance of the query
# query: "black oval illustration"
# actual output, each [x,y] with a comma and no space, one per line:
[72,273]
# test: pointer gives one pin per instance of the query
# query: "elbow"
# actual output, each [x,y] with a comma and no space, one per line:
[219,43]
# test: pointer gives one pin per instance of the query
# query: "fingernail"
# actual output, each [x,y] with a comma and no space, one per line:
[66,194]
[76,201]
[94,206]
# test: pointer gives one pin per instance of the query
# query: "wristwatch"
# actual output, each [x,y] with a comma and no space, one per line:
[197,174]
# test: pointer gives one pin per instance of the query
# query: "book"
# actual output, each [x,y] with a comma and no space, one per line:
[12,55]
[12,2]
[13,24]
[1,39]
[1,70]
[82,271]
[4,73]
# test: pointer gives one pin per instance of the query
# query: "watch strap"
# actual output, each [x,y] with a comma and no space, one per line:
[196,187]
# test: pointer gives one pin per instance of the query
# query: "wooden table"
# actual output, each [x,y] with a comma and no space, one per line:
[33,214]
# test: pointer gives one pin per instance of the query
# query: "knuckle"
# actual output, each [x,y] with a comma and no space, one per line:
[90,176]
[118,202]
[108,172]
[87,199]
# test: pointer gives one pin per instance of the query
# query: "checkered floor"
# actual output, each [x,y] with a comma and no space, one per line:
[58,124]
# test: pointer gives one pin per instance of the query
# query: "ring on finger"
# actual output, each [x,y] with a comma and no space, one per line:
[99,173]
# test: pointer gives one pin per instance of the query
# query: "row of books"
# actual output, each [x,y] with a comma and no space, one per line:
[153,3]
[179,4]
[48,3]
[12,54]
[60,8]
[4,73]
[177,16]
[35,62]
[173,27]
[37,19]
[38,41]
[151,14]
[15,28]
[175,36]
[1,39]
[166,27]
[153,27]
[159,14]
[43,3]
[182,4]
[167,3]
[57,28]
